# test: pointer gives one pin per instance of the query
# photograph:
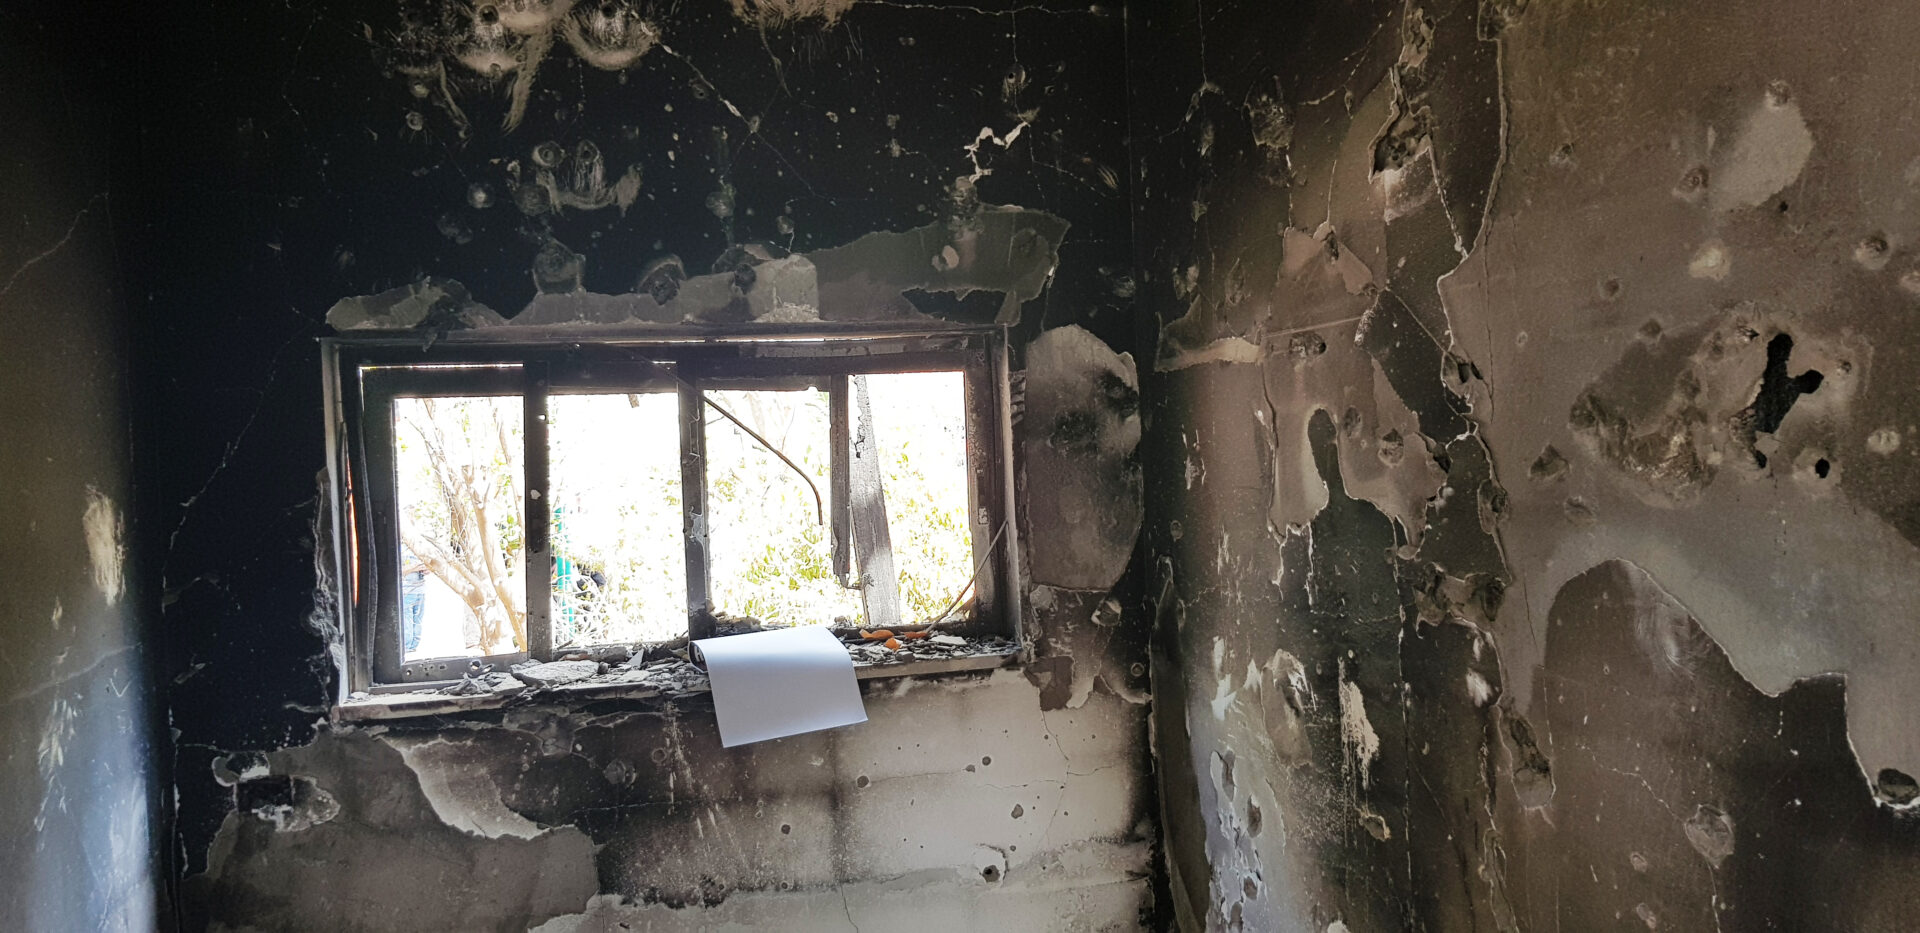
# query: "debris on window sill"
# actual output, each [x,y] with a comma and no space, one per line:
[667,674]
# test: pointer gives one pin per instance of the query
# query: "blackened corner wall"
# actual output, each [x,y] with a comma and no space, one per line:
[1532,462]
[79,781]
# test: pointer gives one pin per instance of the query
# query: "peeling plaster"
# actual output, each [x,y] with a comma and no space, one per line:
[453,776]
[1081,424]
[1601,307]
[988,248]
[1791,566]
[1766,153]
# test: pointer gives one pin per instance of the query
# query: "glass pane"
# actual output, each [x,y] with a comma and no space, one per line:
[619,567]
[771,557]
[920,423]
[459,484]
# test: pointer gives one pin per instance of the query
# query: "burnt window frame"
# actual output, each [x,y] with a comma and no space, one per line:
[364,372]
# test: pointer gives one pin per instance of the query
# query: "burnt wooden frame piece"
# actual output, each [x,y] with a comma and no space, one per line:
[364,373]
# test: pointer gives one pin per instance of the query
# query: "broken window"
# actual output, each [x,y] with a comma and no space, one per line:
[502,501]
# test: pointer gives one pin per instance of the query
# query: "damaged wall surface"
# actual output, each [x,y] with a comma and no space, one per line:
[1531,462]
[80,780]
[433,165]
[1496,415]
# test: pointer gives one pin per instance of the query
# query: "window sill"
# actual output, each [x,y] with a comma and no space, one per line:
[669,678]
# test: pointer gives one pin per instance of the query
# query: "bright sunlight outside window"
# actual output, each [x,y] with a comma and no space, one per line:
[522,502]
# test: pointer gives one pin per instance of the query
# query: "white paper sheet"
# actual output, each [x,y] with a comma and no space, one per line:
[783,682]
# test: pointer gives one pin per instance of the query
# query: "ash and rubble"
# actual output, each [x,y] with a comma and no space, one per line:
[658,670]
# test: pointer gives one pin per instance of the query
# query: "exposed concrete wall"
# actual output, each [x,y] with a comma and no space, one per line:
[962,804]
[79,791]
[589,163]
[1536,382]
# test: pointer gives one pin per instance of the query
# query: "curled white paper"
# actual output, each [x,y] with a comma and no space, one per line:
[778,683]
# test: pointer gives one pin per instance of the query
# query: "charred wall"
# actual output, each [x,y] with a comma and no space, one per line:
[447,164]
[1530,445]
[80,780]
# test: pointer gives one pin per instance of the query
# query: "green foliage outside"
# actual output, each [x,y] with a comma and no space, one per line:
[615,477]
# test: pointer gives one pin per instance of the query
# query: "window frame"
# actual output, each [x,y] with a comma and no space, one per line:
[364,372]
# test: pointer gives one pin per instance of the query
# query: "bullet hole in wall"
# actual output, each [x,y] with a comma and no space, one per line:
[1013,82]
[1404,141]
[1775,397]
[1122,398]
[1493,499]
[713,891]
[661,278]
[1710,831]
[1532,771]
[1896,787]
[1578,511]
[1464,369]
[1074,430]
[1872,252]
[1351,423]
[862,781]
[1392,448]
[1549,466]
[1693,184]
[609,36]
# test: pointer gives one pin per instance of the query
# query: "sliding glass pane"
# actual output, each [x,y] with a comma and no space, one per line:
[770,553]
[460,485]
[619,567]
[920,426]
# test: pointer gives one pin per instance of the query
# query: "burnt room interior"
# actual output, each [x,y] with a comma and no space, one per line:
[1434,465]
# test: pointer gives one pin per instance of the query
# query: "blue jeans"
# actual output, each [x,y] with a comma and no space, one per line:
[413,608]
